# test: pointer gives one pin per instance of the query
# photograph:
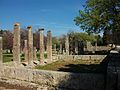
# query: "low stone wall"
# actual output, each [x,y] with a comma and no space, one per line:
[54,79]
[81,57]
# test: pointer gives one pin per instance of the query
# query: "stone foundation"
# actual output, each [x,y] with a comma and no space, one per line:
[54,80]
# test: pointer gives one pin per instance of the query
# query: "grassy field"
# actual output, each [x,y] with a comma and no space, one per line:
[74,66]
[7,57]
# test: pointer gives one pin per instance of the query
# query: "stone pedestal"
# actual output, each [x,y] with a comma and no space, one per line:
[30,45]
[1,51]
[16,44]
[41,46]
[49,46]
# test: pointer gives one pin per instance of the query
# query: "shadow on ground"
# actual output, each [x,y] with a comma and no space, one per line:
[86,68]
[85,77]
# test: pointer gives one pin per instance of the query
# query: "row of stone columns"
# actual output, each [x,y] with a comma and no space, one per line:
[29,50]
[66,50]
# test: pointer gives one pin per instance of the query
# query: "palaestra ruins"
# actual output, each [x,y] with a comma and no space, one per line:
[21,75]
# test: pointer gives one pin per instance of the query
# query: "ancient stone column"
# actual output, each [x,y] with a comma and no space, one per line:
[95,46]
[1,51]
[67,45]
[64,52]
[60,51]
[49,45]
[16,44]
[26,50]
[89,46]
[41,46]
[76,48]
[30,45]
[34,54]
[54,48]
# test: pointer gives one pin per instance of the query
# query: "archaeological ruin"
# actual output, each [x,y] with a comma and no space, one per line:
[22,74]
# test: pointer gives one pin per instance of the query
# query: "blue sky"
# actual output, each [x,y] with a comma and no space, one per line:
[54,15]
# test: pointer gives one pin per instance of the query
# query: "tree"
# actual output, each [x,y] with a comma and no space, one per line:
[99,15]
[75,36]
[7,39]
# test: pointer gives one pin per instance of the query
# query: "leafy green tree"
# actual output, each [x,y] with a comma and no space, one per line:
[75,36]
[99,15]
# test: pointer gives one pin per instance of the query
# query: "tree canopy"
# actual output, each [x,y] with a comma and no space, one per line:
[99,15]
[75,36]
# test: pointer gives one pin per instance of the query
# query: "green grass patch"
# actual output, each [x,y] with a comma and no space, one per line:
[77,66]
[38,55]
[9,57]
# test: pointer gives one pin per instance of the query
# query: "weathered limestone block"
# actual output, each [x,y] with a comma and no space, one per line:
[41,46]
[49,45]
[16,44]
[24,74]
[30,45]
[8,72]
[43,77]
[66,80]
[1,51]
